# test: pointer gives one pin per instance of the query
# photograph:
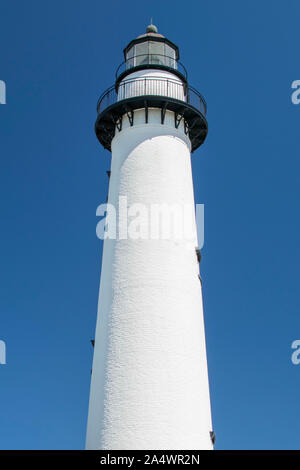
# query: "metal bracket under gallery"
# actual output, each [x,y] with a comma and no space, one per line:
[195,123]
[187,104]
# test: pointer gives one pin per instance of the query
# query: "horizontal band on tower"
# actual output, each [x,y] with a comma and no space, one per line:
[190,107]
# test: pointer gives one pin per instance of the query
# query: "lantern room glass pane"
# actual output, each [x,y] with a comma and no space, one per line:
[141,54]
[157,53]
[130,58]
[151,52]
[170,57]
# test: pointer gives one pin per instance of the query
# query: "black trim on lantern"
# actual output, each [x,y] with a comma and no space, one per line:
[195,122]
[127,64]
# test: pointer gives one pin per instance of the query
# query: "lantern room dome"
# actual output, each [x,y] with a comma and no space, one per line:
[151,28]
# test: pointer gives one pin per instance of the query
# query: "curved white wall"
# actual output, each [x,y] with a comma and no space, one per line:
[149,385]
[151,82]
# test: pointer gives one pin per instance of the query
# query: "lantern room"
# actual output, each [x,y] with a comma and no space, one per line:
[151,51]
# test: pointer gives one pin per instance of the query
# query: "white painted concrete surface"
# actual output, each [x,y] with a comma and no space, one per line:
[149,387]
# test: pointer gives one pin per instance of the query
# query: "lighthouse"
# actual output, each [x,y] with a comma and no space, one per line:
[149,384]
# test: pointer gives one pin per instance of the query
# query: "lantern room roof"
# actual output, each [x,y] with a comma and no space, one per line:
[151,33]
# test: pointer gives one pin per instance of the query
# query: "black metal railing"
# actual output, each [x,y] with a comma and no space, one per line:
[159,60]
[152,86]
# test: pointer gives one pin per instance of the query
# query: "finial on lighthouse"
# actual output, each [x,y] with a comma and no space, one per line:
[151,28]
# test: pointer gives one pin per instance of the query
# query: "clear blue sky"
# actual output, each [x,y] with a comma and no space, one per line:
[56,59]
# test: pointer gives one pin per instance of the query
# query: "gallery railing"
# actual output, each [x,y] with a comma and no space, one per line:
[143,60]
[152,86]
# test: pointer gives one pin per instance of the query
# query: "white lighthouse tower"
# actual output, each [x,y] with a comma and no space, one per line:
[149,387]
